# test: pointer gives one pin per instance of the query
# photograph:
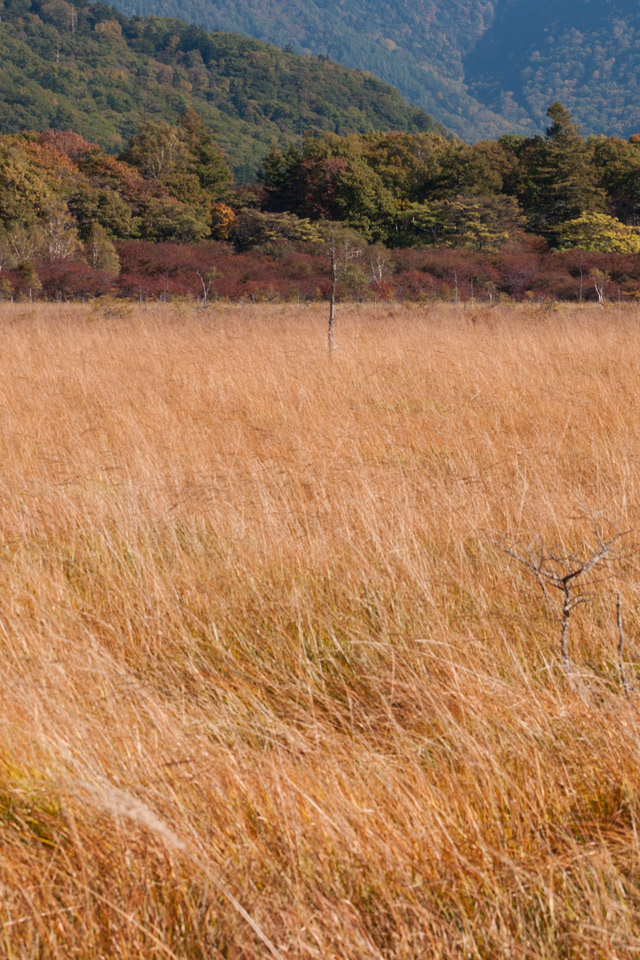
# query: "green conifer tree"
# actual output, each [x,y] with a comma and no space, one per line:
[565,183]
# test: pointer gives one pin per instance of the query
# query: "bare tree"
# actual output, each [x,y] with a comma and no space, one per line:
[380,262]
[568,573]
[60,236]
[100,250]
[599,278]
[25,241]
[343,247]
[206,279]
[156,150]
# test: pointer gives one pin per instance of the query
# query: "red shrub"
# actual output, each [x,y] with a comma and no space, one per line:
[68,279]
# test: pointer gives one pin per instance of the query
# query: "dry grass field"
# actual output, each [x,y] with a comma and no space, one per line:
[269,687]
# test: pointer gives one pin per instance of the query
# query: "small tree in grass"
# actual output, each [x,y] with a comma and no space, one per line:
[344,247]
[574,576]
[206,278]
[599,278]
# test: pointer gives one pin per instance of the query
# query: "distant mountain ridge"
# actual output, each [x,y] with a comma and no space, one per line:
[585,53]
[481,67]
[96,71]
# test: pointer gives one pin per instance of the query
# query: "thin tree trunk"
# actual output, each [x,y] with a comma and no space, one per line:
[566,613]
[332,319]
[332,303]
[621,667]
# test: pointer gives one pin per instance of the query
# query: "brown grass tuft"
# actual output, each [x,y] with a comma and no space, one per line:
[267,687]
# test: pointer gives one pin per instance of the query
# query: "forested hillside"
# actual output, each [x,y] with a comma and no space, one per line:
[91,69]
[481,67]
[583,52]
[418,47]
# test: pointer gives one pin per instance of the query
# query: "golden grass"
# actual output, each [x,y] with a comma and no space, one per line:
[267,687]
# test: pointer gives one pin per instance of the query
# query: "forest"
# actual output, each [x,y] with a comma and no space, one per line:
[481,67]
[416,47]
[415,216]
[88,68]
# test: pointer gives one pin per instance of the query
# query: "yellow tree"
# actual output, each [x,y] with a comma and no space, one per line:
[600,233]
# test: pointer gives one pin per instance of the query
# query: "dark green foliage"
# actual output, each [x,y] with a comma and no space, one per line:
[585,53]
[403,190]
[416,47]
[423,189]
[255,229]
[561,180]
[470,222]
[104,206]
[93,70]
[618,165]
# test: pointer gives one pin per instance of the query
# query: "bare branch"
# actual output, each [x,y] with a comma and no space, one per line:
[556,568]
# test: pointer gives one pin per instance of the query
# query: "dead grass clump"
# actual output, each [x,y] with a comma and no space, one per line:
[268,689]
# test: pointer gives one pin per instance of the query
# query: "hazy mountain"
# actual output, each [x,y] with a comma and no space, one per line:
[585,53]
[480,66]
[100,73]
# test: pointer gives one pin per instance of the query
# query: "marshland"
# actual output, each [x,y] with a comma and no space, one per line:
[273,682]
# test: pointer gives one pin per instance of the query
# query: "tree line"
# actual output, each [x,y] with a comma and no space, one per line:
[427,190]
[68,209]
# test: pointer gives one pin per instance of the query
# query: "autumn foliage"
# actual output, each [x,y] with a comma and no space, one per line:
[533,219]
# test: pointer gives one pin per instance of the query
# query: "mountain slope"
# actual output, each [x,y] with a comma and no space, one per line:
[482,67]
[417,46]
[100,73]
[585,53]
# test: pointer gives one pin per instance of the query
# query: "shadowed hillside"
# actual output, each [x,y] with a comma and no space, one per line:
[480,67]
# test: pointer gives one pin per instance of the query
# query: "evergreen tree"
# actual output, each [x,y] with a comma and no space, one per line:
[618,164]
[206,160]
[563,183]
